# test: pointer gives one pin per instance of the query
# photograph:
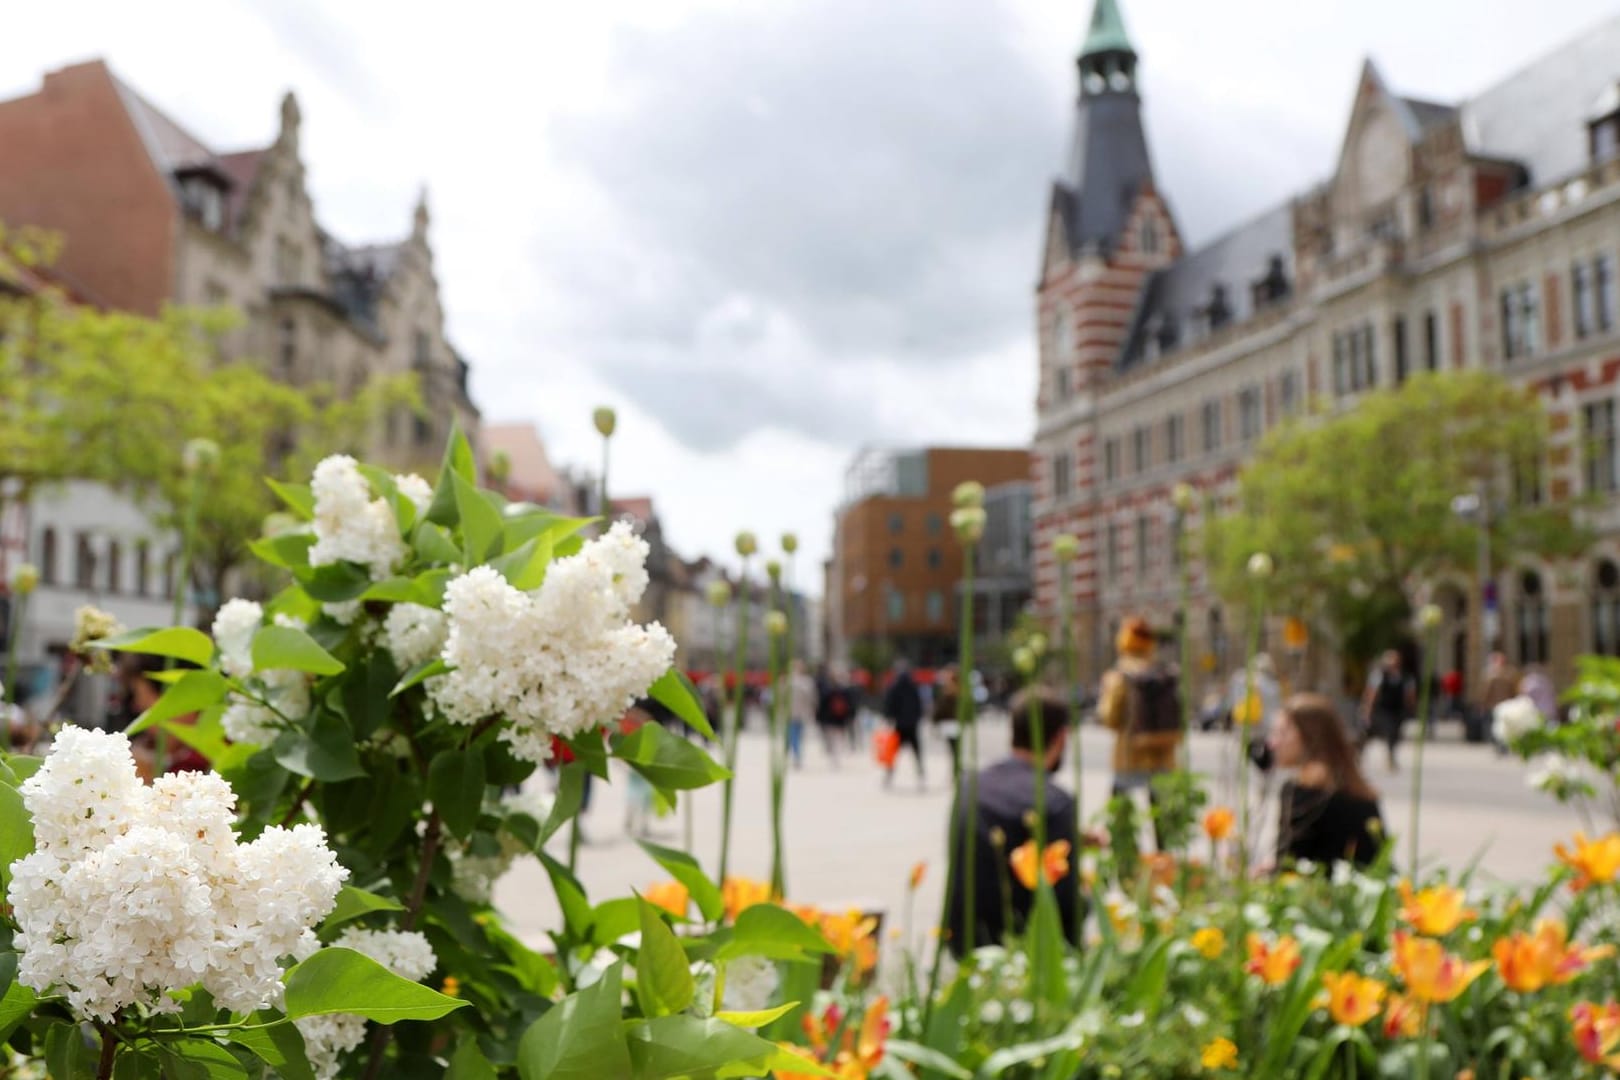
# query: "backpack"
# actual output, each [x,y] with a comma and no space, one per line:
[1153,706]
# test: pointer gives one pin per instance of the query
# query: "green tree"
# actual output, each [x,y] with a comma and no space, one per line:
[1356,507]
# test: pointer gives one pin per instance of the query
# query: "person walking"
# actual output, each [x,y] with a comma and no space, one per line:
[1501,683]
[1140,702]
[947,697]
[903,708]
[1388,701]
[801,710]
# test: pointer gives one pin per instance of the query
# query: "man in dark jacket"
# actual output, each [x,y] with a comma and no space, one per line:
[1003,823]
[903,707]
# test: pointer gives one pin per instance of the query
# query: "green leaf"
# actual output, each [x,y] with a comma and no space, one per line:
[675,692]
[334,583]
[326,753]
[686,870]
[194,691]
[366,694]
[581,1037]
[344,981]
[544,525]
[23,766]
[300,499]
[206,736]
[281,1047]
[570,795]
[577,914]
[68,1055]
[925,1058]
[456,786]
[16,833]
[669,762]
[480,522]
[458,461]
[1004,1059]
[15,1007]
[758,1019]
[199,1059]
[290,551]
[1047,944]
[353,903]
[419,674]
[687,1048]
[288,648]
[663,976]
[524,567]
[469,1063]
[613,919]
[774,933]
[180,642]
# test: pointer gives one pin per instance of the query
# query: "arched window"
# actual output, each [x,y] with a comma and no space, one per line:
[84,562]
[47,555]
[1530,624]
[287,348]
[115,566]
[1606,608]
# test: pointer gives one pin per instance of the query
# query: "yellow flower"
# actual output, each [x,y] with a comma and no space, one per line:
[1351,999]
[1218,823]
[1403,1017]
[740,894]
[852,937]
[1250,711]
[1432,975]
[1596,1030]
[1595,862]
[1528,962]
[917,873]
[451,987]
[1055,862]
[1274,963]
[1209,941]
[1435,911]
[1219,1054]
[672,896]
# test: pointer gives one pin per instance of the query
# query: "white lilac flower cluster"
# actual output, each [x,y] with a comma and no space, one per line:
[557,661]
[1560,776]
[351,526]
[473,876]
[750,983]
[328,1037]
[282,692]
[1514,718]
[134,892]
[414,633]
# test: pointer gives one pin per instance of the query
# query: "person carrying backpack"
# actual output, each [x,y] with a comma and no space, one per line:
[1141,703]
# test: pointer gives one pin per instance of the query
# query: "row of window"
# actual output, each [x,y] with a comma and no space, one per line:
[105,569]
[1592,304]
[896,602]
[1141,536]
[934,524]
[897,558]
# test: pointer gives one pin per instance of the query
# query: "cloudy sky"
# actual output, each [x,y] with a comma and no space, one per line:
[769,231]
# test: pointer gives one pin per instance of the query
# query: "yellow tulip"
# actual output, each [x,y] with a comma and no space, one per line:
[1210,942]
[1219,1054]
[672,896]
[1529,962]
[1435,911]
[1055,861]
[1218,823]
[1595,862]
[740,894]
[1274,963]
[1432,975]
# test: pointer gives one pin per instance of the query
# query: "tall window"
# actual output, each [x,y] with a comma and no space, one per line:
[895,600]
[1148,240]
[1060,476]
[287,347]
[1111,554]
[1398,333]
[935,559]
[1174,441]
[1141,448]
[1111,460]
[1143,540]
[1606,608]
[1288,396]
[1521,321]
[896,557]
[1250,417]
[1355,360]
[1603,291]
[1602,448]
[1580,288]
[1212,425]
[1592,284]
[143,567]
[896,523]
[84,562]
[936,606]
[1530,623]
[115,566]
[1431,341]
[1065,388]
[48,567]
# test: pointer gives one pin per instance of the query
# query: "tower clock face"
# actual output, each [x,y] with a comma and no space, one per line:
[1095,83]
[1119,81]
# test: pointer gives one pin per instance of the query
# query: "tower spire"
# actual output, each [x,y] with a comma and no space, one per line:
[1107,31]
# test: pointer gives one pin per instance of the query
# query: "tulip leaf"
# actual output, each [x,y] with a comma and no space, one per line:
[343,981]
[179,642]
[926,1058]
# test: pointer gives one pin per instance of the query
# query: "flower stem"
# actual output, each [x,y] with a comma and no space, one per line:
[778,761]
[431,837]
[109,1050]
[733,724]
[1071,664]
[1426,669]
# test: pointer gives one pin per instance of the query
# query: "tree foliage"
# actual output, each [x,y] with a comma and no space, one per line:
[1355,508]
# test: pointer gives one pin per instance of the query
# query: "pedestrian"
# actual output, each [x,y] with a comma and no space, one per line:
[1141,703]
[947,701]
[1387,702]
[1537,686]
[1501,683]
[1003,821]
[836,704]
[801,702]
[1328,811]
[902,707]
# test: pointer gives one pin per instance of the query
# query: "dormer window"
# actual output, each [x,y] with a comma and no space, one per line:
[1274,286]
[1603,129]
[202,197]
[1220,310]
[1166,334]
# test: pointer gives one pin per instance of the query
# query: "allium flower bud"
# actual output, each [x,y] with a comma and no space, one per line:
[969,493]
[1260,566]
[968,522]
[605,420]
[746,544]
[1182,497]
[776,623]
[1065,547]
[790,543]
[720,592]
[1023,659]
[998,837]
[200,455]
[1037,644]
[24,579]
[773,569]
[1429,617]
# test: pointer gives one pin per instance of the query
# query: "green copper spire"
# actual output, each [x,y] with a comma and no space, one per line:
[1107,30]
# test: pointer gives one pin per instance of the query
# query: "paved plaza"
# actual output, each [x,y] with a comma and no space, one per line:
[853,843]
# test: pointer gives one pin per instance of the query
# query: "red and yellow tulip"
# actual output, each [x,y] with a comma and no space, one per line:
[1403,1017]
[740,894]
[1596,1030]
[1595,862]
[1351,999]
[1435,911]
[1054,861]
[1432,975]
[1273,962]
[1529,962]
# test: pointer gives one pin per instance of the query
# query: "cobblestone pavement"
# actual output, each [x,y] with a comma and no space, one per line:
[853,842]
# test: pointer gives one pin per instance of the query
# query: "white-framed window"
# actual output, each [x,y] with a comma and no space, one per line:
[1111,551]
[1111,459]
[1141,448]
[1602,447]
[1251,413]
[1061,478]
[1521,321]
[1605,609]
[1144,542]
[1288,395]
[1174,437]
[1212,425]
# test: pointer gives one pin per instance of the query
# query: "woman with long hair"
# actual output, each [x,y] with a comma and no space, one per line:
[1329,811]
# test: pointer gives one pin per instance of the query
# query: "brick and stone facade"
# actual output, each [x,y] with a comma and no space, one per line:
[1483,234]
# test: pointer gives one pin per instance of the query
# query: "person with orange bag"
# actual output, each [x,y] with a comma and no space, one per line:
[903,708]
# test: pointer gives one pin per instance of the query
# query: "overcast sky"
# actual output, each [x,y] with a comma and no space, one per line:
[768,231]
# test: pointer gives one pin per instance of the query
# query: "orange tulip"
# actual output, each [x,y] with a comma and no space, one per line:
[852,937]
[740,894]
[1528,962]
[1218,823]
[917,875]
[1350,999]
[857,1051]
[1055,861]
[1432,975]
[1435,911]
[1595,862]
[672,896]
[1274,963]
[1161,867]
[1596,1030]
[1403,1017]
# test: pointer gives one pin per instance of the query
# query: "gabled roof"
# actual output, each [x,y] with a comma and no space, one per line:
[171,146]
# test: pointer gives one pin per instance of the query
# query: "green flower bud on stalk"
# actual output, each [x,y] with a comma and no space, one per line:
[969,493]
[720,592]
[605,420]
[746,544]
[1260,566]
[1182,497]
[968,523]
[790,543]
[24,579]
[773,569]
[1037,644]
[1023,659]
[776,623]
[200,455]
[1429,616]
[1066,547]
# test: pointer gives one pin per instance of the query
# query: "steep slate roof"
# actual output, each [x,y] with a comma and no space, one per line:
[1236,261]
[1537,115]
[170,145]
[1108,165]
